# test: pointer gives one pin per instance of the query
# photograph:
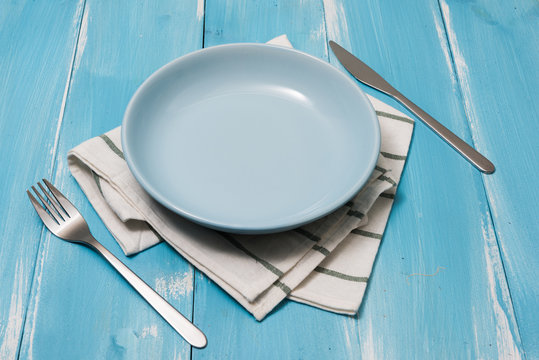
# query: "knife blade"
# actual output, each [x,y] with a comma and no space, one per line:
[368,76]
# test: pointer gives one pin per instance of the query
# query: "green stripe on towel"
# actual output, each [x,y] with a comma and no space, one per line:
[341,275]
[387,196]
[262,262]
[97,181]
[307,234]
[394,117]
[355,213]
[392,156]
[283,287]
[321,250]
[112,146]
[367,234]
[381,169]
[388,179]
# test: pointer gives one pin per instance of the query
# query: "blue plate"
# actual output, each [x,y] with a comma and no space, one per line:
[250,138]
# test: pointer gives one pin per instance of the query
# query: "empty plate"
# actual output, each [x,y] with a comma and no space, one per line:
[250,138]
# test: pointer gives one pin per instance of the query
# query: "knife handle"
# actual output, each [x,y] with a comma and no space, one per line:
[468,152]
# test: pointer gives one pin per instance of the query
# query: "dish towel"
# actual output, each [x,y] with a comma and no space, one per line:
[325,264]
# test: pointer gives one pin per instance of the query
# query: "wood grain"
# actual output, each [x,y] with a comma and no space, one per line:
[494,48]
[460,248]
[402,316]
[441,216]
[292,331]
[35,63]
[82,309]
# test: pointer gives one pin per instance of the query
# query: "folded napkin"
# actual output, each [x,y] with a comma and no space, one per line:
[325,264]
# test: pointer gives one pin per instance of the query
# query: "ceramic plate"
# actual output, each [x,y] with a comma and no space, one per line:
[250,138]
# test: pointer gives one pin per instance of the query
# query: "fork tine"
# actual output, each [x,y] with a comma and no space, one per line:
[66,204]
[48,220]
[53,202]
[53,213]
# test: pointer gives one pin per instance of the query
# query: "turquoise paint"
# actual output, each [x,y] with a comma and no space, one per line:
[495,47]
[441,216]
[35,62]
[80,308]
[401,317]
[471,65]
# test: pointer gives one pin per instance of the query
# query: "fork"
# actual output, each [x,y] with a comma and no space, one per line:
[65,221]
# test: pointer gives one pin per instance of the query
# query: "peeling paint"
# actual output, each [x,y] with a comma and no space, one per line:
[366,341]
[443,44]
[12,331]
[174,286]
[337,27]
[76,52]
[350,328]
[347,336]
[83,37]
[507,348]
[37,293]
[149,331]
[318,34]
[475,333]
[60,165]
[200,9]
[462,70]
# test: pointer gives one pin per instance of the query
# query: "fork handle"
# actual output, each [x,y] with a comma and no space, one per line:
[180,323]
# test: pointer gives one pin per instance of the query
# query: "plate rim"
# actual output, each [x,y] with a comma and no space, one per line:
[242,228]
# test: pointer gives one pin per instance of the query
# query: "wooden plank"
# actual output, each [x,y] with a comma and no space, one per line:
[293,331]
[441,219]
[35,63]
[494,47]
[233,21]
[441,222]
[82,309]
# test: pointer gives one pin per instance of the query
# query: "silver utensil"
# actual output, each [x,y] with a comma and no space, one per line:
[369,77]
[65,221]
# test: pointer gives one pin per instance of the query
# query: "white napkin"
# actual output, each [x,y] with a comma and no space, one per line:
[325,264]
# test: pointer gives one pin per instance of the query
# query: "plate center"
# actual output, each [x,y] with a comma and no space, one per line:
[247,153]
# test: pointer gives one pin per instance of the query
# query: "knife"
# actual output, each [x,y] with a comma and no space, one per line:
[369,77]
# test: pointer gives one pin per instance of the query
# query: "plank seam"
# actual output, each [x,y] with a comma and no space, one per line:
[326,44]
[204,26]
[195,270]
[518,339]
[53,168]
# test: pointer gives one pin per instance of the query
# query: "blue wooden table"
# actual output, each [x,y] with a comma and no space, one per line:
[67,71]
